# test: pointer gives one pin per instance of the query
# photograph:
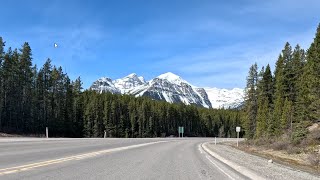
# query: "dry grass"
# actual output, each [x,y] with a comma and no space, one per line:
[302,153]
[314,159]
[280,145]
[293,150]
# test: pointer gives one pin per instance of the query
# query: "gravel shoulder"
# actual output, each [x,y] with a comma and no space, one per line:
[260,165]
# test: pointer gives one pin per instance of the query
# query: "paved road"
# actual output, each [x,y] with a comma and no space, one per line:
[166,158]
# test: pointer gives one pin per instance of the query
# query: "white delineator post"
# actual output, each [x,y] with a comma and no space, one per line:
[238,130]
[47,132]
[237,139]
[105,134]
[215,141]
[182,130]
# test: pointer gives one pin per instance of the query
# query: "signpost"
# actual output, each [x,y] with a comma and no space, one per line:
[238,130]
[181,130]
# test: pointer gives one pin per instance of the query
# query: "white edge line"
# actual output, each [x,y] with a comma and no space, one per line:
[219,168]
[240,169]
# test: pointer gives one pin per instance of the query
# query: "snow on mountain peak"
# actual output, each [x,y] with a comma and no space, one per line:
[128,83]
[104,84]
[104,79]
[171,88]
[173,78]
[142,79]
[225,98]
[132,75]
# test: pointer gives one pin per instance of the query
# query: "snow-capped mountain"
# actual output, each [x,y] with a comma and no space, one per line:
[171,88]
[105,84]
[224,98]
[128,83]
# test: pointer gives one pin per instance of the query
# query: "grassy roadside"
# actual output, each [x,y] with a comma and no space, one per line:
[7,135]
[296,161]
[304,155]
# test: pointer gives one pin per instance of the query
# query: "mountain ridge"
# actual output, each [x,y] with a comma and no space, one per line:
[171,88]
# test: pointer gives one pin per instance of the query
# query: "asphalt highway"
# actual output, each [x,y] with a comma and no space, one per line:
[147,158]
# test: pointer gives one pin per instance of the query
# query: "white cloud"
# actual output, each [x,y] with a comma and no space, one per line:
[227,66]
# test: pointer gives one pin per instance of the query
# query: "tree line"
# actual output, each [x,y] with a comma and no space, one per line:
[128,116]
[33,98]
[287,100]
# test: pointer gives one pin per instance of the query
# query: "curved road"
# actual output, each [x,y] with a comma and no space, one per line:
[159,158]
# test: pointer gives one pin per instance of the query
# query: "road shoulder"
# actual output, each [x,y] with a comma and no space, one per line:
[253,166]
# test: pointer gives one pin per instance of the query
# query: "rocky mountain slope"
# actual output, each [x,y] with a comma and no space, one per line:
[171,88]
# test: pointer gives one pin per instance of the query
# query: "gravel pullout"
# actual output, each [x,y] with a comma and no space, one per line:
[260,165]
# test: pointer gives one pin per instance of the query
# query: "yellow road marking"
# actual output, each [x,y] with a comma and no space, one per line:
[9,172]
[27,167]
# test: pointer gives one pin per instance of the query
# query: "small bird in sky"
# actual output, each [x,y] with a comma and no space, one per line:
[55,45]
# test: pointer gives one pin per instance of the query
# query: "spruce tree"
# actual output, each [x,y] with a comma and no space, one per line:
[251,101]
[262,117]
[267,86]
[265,93]
[287,115]
[2,54]
[25,81]
[279,94]
[313,78]
[77,107]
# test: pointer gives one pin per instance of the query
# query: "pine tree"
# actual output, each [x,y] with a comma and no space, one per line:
[251,101]
[298,62]
[25,79]
[313,78]
[77,107]
[288,72]
[10,93]
[2,54]
[265,93]
[279,94]
[46,90]
[33,106]
[287,115]
[262,117]
[267,86]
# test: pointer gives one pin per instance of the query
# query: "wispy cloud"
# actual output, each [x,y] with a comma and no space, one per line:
[78,47]
[179,32]
[208,43]
[227,66]
[282,9]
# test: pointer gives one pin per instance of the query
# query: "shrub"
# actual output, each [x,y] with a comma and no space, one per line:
[263,141]
[312,139]
[293,150]
[280,145]
[298,135]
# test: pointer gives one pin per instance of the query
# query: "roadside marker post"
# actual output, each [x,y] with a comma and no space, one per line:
[215,140]
[105,134]
[181,130]
[238,130]
[47,132]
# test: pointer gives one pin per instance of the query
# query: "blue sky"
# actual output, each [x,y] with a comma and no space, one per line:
[208,43]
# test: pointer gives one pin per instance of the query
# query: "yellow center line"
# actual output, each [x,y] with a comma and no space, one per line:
[27,167]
